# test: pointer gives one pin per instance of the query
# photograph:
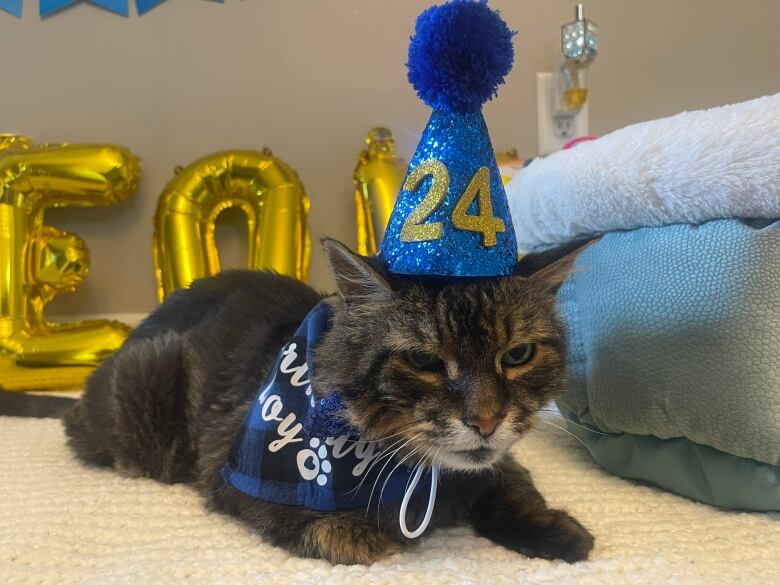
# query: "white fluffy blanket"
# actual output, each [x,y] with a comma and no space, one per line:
[689,168]
[63,523]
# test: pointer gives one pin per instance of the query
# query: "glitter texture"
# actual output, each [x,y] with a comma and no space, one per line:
[415,229]
[461,143]
[485,222]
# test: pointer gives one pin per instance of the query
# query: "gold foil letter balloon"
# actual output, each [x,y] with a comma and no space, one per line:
[509,164]
[265,188]
[378,177]
[37,261]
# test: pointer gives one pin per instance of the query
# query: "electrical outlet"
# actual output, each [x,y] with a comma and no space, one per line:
[563,127]
[553,131]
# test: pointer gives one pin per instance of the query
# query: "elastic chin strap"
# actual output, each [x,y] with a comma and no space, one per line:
[431,502]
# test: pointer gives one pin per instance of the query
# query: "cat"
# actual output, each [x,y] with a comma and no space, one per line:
[455,367]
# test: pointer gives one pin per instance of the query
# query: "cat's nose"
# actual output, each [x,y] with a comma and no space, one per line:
[483,426]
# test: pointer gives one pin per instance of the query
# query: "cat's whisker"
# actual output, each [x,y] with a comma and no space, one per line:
[556,408]
[416,448]
[388,452]
[390,455]
[564,407]
[435,456]
[408,481]
[563,418]
[404,429]
[389,475]
[570,434]
[418,464]
[385,454]
[379,475]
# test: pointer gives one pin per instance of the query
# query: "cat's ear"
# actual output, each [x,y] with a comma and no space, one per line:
[355,278]
[559,266]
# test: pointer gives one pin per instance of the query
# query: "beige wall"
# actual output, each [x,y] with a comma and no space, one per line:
[309,78]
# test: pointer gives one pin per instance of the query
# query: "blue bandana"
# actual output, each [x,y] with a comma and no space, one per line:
[297,450]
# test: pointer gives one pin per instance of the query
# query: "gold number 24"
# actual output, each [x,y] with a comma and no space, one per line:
[414,230]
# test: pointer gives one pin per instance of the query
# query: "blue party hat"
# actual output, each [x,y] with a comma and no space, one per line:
[452,216]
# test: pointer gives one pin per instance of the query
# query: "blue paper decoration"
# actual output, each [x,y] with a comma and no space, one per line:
[452,216]
[144,6]
[12,7]
[47,7]
[50,6]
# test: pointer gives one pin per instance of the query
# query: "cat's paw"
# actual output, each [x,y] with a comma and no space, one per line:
[344,540]
[544,533]
[559,536]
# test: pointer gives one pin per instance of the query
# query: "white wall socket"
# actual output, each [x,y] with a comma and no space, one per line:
[553,132]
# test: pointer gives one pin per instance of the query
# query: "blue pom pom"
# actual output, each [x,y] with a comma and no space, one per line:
[459,55]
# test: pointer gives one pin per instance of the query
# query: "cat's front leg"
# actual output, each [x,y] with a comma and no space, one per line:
[347,539]
[343,538]
[513,513]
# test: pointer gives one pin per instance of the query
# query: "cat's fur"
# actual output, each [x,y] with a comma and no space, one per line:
[170,402]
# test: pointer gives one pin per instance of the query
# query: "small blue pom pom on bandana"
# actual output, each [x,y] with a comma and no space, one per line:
[452,216]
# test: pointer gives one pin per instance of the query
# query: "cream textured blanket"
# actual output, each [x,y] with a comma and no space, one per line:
[62,523]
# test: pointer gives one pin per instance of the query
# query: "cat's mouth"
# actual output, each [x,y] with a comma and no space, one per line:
[474,458]
[480,454]
[462,449]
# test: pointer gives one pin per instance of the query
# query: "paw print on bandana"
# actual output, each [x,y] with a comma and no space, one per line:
[313,463]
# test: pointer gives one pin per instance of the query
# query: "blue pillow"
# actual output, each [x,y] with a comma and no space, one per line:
[674,352]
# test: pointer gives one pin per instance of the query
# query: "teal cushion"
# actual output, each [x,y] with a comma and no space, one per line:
[674,334]
[687,468]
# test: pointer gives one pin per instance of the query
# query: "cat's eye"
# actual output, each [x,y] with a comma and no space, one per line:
[519,355]
[422,360]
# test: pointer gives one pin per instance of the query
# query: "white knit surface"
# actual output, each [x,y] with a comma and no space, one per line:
[63,523]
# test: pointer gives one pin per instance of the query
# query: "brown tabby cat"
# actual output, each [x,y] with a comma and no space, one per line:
[459,368]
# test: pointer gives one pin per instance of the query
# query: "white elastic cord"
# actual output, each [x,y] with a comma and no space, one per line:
[431,502]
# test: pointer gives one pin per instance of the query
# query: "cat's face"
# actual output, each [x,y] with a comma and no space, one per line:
[454,371]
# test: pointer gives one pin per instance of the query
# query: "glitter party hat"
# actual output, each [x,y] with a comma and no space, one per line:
[452,216]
